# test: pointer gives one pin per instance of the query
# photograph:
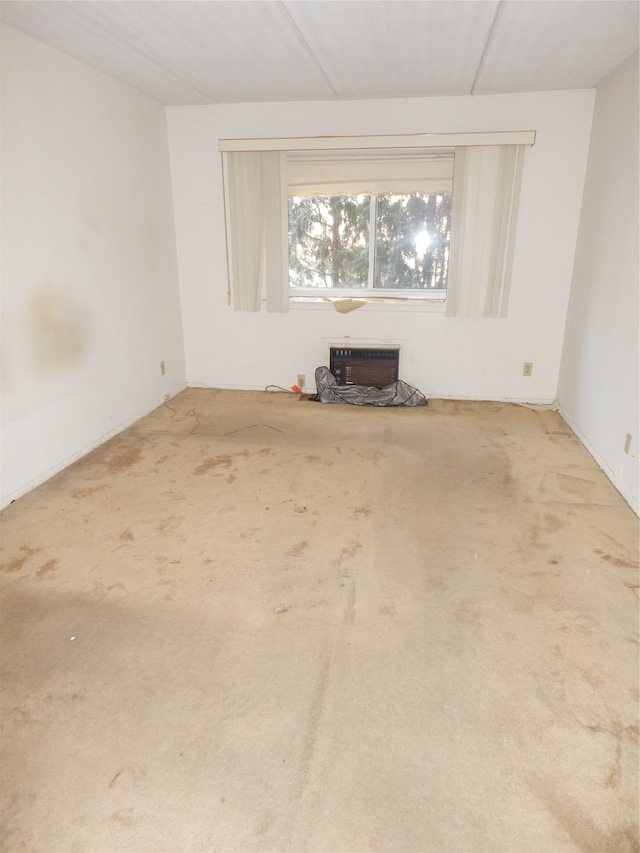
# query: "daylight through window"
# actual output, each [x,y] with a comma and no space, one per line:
[370,242]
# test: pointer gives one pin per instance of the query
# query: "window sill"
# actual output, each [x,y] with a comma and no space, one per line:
[377,303]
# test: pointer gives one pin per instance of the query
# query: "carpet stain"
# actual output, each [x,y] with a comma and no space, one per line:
[316,707]
[619,733]
[170,524]
[18,562]
[124,459]
[613,777]
[388,610]
[47,568]
[298,549]
[552,523]
[618,562]
[224,460]
[583,831]
[84,493]
[100,592]
[361,512]
[350,608]
[535,534]
[349,551]
[127,535]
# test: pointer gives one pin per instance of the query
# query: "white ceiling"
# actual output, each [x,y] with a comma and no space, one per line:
[233,51]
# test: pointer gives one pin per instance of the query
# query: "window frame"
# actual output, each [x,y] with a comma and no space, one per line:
[370,292]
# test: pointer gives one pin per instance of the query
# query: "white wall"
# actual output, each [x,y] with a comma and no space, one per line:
[598,386]
[444,357]
[90,301]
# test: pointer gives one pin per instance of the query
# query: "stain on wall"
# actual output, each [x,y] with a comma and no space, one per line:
[58,329]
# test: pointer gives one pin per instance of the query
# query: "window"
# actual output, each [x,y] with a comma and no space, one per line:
[376,222]
[393,242]
[374,215]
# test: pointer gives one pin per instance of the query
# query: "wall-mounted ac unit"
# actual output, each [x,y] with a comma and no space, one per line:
[364,365]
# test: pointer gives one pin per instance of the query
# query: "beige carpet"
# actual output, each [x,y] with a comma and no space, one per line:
[257,623]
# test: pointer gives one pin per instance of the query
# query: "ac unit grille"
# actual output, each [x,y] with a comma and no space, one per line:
[364,366]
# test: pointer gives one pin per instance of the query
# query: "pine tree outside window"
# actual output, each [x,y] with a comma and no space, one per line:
[370,243]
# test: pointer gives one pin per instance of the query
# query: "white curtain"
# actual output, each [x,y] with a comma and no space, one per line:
[256,192]
[486,192]
[276,229]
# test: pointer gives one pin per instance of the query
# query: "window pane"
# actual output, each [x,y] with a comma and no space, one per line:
[412,241]
[329,241]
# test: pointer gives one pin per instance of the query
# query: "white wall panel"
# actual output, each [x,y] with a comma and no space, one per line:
[599,382]
[89,276]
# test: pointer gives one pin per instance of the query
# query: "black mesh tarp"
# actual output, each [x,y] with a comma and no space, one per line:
[399,393]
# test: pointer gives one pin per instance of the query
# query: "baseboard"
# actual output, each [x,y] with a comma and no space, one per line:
[51,472]
[541,402]
[632,500]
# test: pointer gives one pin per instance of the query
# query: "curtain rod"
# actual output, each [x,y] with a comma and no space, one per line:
[406,141]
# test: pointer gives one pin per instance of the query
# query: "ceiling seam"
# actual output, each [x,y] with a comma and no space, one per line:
[142,54]
[485,52]
[307,46]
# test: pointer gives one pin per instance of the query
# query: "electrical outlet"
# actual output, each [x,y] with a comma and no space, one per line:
[627,443]
[162,369]
[527,368]
[300,382]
